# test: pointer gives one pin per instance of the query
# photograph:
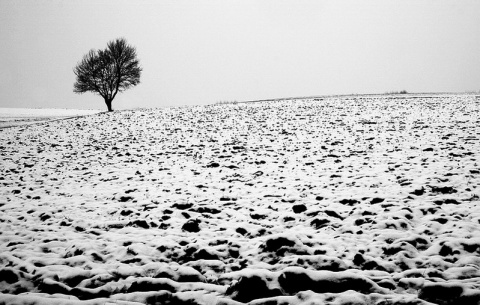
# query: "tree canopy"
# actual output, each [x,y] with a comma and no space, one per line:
[107,72]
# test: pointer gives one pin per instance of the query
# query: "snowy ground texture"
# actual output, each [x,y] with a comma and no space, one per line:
[320,201]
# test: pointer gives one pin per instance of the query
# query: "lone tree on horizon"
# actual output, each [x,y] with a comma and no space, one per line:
[107,72]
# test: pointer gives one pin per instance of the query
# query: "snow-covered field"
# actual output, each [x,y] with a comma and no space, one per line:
[21,116]
[335,201]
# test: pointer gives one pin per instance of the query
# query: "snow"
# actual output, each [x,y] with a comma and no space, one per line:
[20,116]
[347,200]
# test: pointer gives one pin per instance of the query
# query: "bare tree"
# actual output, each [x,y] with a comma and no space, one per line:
[107,72]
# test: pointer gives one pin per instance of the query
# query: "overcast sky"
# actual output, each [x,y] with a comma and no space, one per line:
[202,52]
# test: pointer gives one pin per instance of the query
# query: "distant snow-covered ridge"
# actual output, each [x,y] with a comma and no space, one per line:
[6,113]
[10,117]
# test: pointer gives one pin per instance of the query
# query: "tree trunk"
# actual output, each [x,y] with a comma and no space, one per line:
[109,104]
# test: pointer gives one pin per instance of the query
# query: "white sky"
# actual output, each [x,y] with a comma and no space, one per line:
[201,52]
